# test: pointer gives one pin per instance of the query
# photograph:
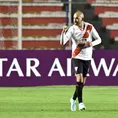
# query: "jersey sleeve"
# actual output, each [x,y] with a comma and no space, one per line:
[96,37]
[65,36]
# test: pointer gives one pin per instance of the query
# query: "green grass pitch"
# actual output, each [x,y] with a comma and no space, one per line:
[53,102]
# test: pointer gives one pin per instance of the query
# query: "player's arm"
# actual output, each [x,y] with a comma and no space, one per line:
[65,35]
[96,37]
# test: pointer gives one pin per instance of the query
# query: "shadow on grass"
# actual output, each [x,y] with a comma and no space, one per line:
[56,110]
[102,110]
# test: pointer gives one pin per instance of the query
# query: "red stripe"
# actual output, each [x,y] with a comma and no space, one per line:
[88,29]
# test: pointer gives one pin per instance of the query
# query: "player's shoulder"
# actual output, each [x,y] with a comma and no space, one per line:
[86,23]
[89,26]
[72,28]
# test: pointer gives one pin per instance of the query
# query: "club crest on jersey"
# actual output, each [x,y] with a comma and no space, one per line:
[84,39]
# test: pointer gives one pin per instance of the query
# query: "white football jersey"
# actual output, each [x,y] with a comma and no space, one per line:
[77,35]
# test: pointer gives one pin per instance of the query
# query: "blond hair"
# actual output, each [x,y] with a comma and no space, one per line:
[78,13]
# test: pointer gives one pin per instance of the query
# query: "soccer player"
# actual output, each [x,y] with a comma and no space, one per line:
[81,34]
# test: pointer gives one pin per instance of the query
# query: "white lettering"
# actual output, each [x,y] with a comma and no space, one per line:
[69,67]
[30,68]
[56,67]
[116,71]
[32,65]
[15,67]
[1,65]
[102,63]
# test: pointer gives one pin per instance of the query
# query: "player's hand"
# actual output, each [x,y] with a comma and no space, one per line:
[81,45]
[65,28]
[85,44]
[88,44]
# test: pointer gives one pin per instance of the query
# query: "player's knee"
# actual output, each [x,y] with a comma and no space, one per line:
[79,84]
[79,77]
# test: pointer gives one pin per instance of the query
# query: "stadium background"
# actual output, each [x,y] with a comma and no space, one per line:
[42,22]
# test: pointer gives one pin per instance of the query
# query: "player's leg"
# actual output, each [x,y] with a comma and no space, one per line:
[81,104]
[77,70]
[86,65]
[74,63]
[79,80]
[79,87]
[84,80]
[78,92]
[73,99]
[75,94]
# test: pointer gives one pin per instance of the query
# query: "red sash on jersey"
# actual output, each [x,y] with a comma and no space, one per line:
[86,35]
